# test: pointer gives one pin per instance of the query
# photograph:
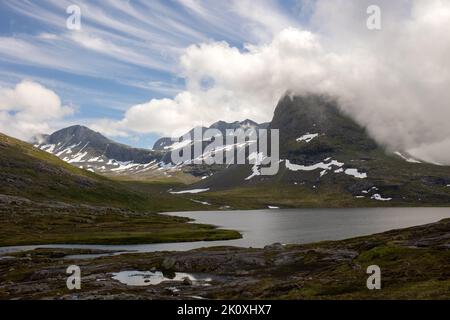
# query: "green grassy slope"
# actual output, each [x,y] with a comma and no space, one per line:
[45,200]
[37,175]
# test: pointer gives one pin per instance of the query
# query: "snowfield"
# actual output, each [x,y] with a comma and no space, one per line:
[190,191]
[378,197]
[355,173]
[327,166]
[411,160]
[308,137]
[320,165]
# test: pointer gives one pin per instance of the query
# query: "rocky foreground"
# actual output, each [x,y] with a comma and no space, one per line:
[414,264]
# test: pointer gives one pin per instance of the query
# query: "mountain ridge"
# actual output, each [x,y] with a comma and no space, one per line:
[165,143]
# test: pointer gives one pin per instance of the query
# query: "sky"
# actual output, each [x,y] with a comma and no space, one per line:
[137,70]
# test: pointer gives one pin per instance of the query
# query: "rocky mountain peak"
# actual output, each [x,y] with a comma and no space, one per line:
[77,134]
[90,150]
[314,126]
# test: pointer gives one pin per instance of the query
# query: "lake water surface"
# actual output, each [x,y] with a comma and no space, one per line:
[263,227]
[287,226]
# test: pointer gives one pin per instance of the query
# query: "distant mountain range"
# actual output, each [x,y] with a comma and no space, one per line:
[90,150]
[322,152]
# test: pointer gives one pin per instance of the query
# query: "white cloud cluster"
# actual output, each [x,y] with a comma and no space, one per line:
[224,83]
[29,109]
[394,81]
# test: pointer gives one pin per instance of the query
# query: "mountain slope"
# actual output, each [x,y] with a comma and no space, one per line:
[31,173]
[327,159]
[84,148]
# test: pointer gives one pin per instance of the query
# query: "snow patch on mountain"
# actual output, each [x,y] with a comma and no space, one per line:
[308,137]
[378,197]
[408,159]
[326,166]
[127,166]
[370,190]
[77,158]
[257,159]
[355,173]
[193,191]
[201,202]
[320,165]
[50,148]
